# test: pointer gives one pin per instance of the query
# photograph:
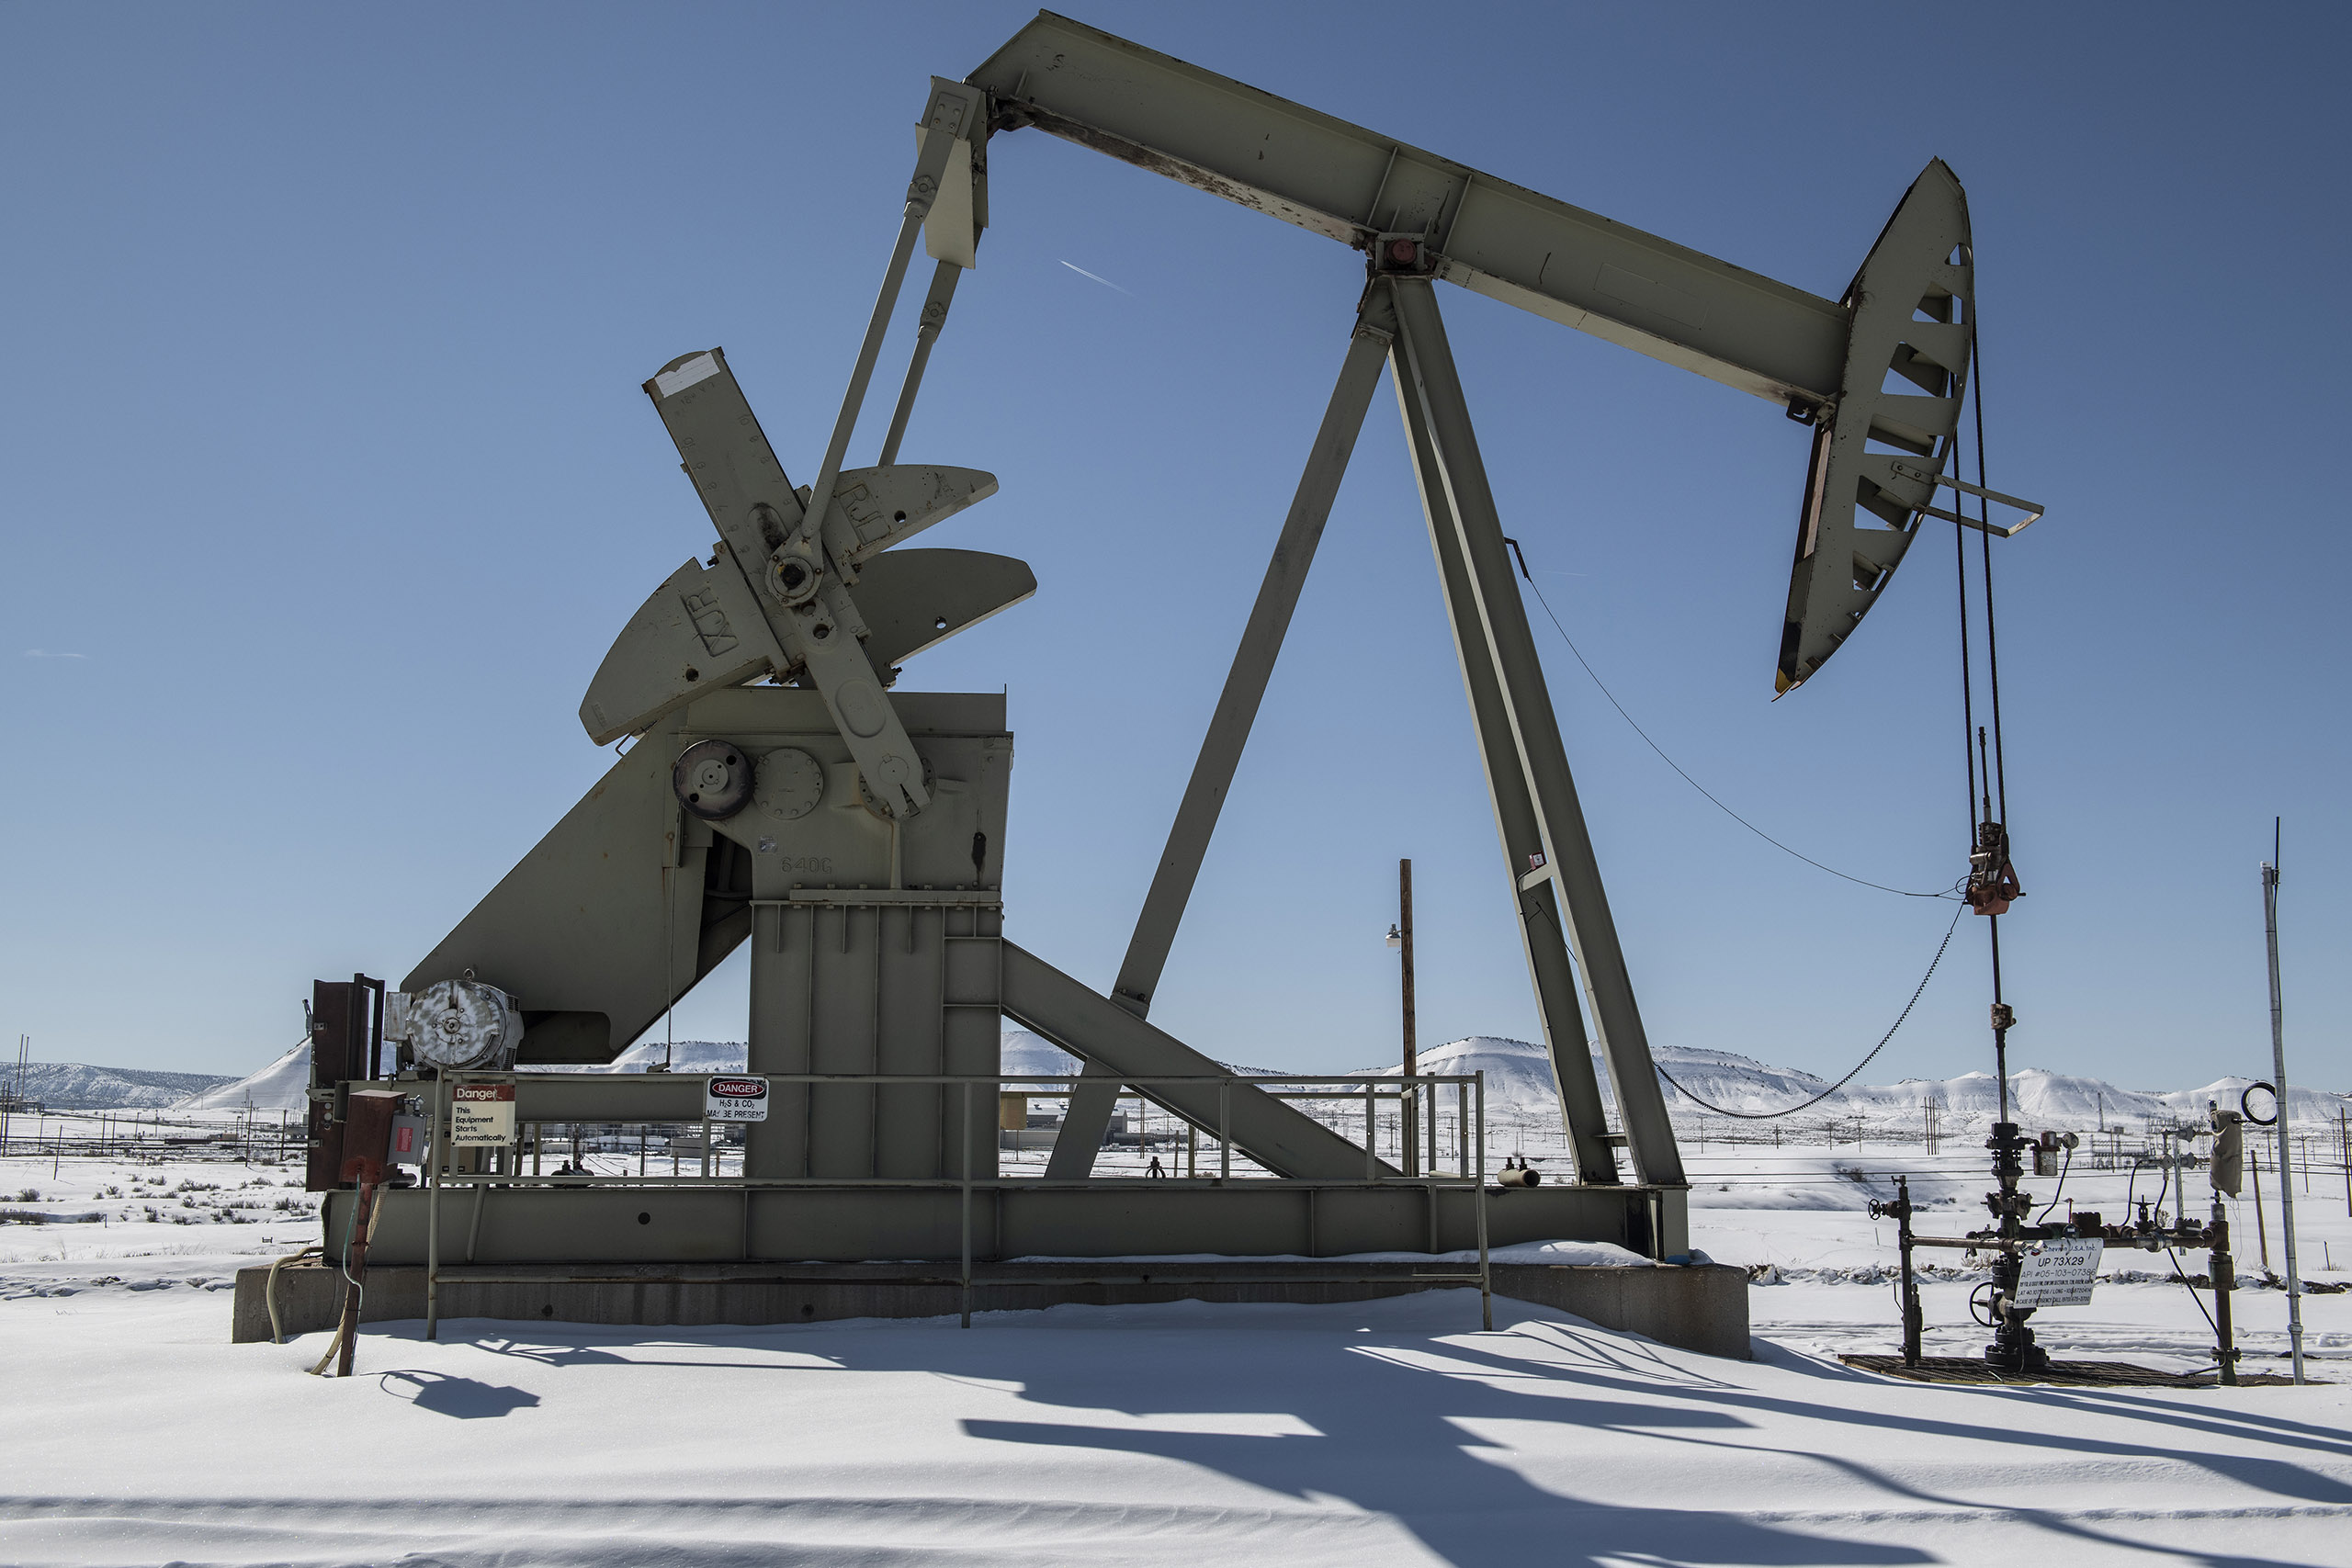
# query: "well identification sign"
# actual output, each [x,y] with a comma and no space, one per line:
[2060,1273]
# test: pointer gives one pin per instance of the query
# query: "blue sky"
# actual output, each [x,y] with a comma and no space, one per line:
[327,482]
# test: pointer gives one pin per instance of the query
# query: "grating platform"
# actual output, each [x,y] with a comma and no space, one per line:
[2061,1375]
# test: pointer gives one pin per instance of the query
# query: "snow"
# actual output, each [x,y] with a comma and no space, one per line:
[1366,1433]
[281,1086]
[1374,1433]
[1024,1051]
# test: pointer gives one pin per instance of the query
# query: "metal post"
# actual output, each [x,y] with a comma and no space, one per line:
[1485,1267]
[440,1156]
[1430,1107]
[2278,1076]
[1370,1131]
[1224,1137]
[1461,1129]
[1408,1111]
[967,1141]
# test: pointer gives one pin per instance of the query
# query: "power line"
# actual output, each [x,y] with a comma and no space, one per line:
[1694,783]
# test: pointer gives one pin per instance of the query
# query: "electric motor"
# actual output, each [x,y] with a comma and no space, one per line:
[458,1026]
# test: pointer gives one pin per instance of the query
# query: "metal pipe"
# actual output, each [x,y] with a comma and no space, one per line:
[2278,1076]
[1224,1130]
[1914,1320]
[821,493]
[2221,1273]
[968,1205]
[474,1230]
[1406,1127]
[433,1209]
[927,330]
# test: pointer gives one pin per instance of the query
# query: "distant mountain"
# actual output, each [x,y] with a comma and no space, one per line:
[77,1086]
[1518,1085]
[1519,1082]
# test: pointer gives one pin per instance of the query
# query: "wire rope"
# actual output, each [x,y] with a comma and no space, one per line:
[1603,688]
[1772,1115]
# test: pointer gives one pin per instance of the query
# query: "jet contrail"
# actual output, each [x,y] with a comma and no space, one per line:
[1097,276]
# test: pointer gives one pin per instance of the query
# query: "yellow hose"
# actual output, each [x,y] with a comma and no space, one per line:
[269,1292]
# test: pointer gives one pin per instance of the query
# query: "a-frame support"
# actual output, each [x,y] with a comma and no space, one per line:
[1089,1116]
[1564,916]
[1546,848]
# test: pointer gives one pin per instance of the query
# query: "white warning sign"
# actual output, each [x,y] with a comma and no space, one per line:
[735,1099]
[481,1115]
[2060,1273]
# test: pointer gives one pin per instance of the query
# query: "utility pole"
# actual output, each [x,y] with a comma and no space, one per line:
[1401,938]
[16,1096]
[2278,1076]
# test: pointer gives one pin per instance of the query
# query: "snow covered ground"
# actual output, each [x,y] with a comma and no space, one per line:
[1376,1433]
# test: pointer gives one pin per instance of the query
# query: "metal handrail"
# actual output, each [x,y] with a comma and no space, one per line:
[1470,1165]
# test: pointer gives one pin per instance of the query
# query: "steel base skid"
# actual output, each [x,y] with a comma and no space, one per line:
[1704,1308]
[482,1222]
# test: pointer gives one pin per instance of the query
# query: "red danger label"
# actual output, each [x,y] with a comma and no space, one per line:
[735,1099]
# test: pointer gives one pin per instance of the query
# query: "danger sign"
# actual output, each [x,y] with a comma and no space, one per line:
[481,1115]
[735,1099]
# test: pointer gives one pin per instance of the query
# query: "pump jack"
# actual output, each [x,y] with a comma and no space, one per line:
[854,836]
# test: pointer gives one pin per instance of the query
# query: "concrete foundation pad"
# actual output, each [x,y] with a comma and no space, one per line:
[1701,1308]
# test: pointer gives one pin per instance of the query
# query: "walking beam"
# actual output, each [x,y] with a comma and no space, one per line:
[1355,186]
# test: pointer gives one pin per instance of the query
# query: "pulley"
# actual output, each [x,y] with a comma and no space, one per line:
[714,779]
